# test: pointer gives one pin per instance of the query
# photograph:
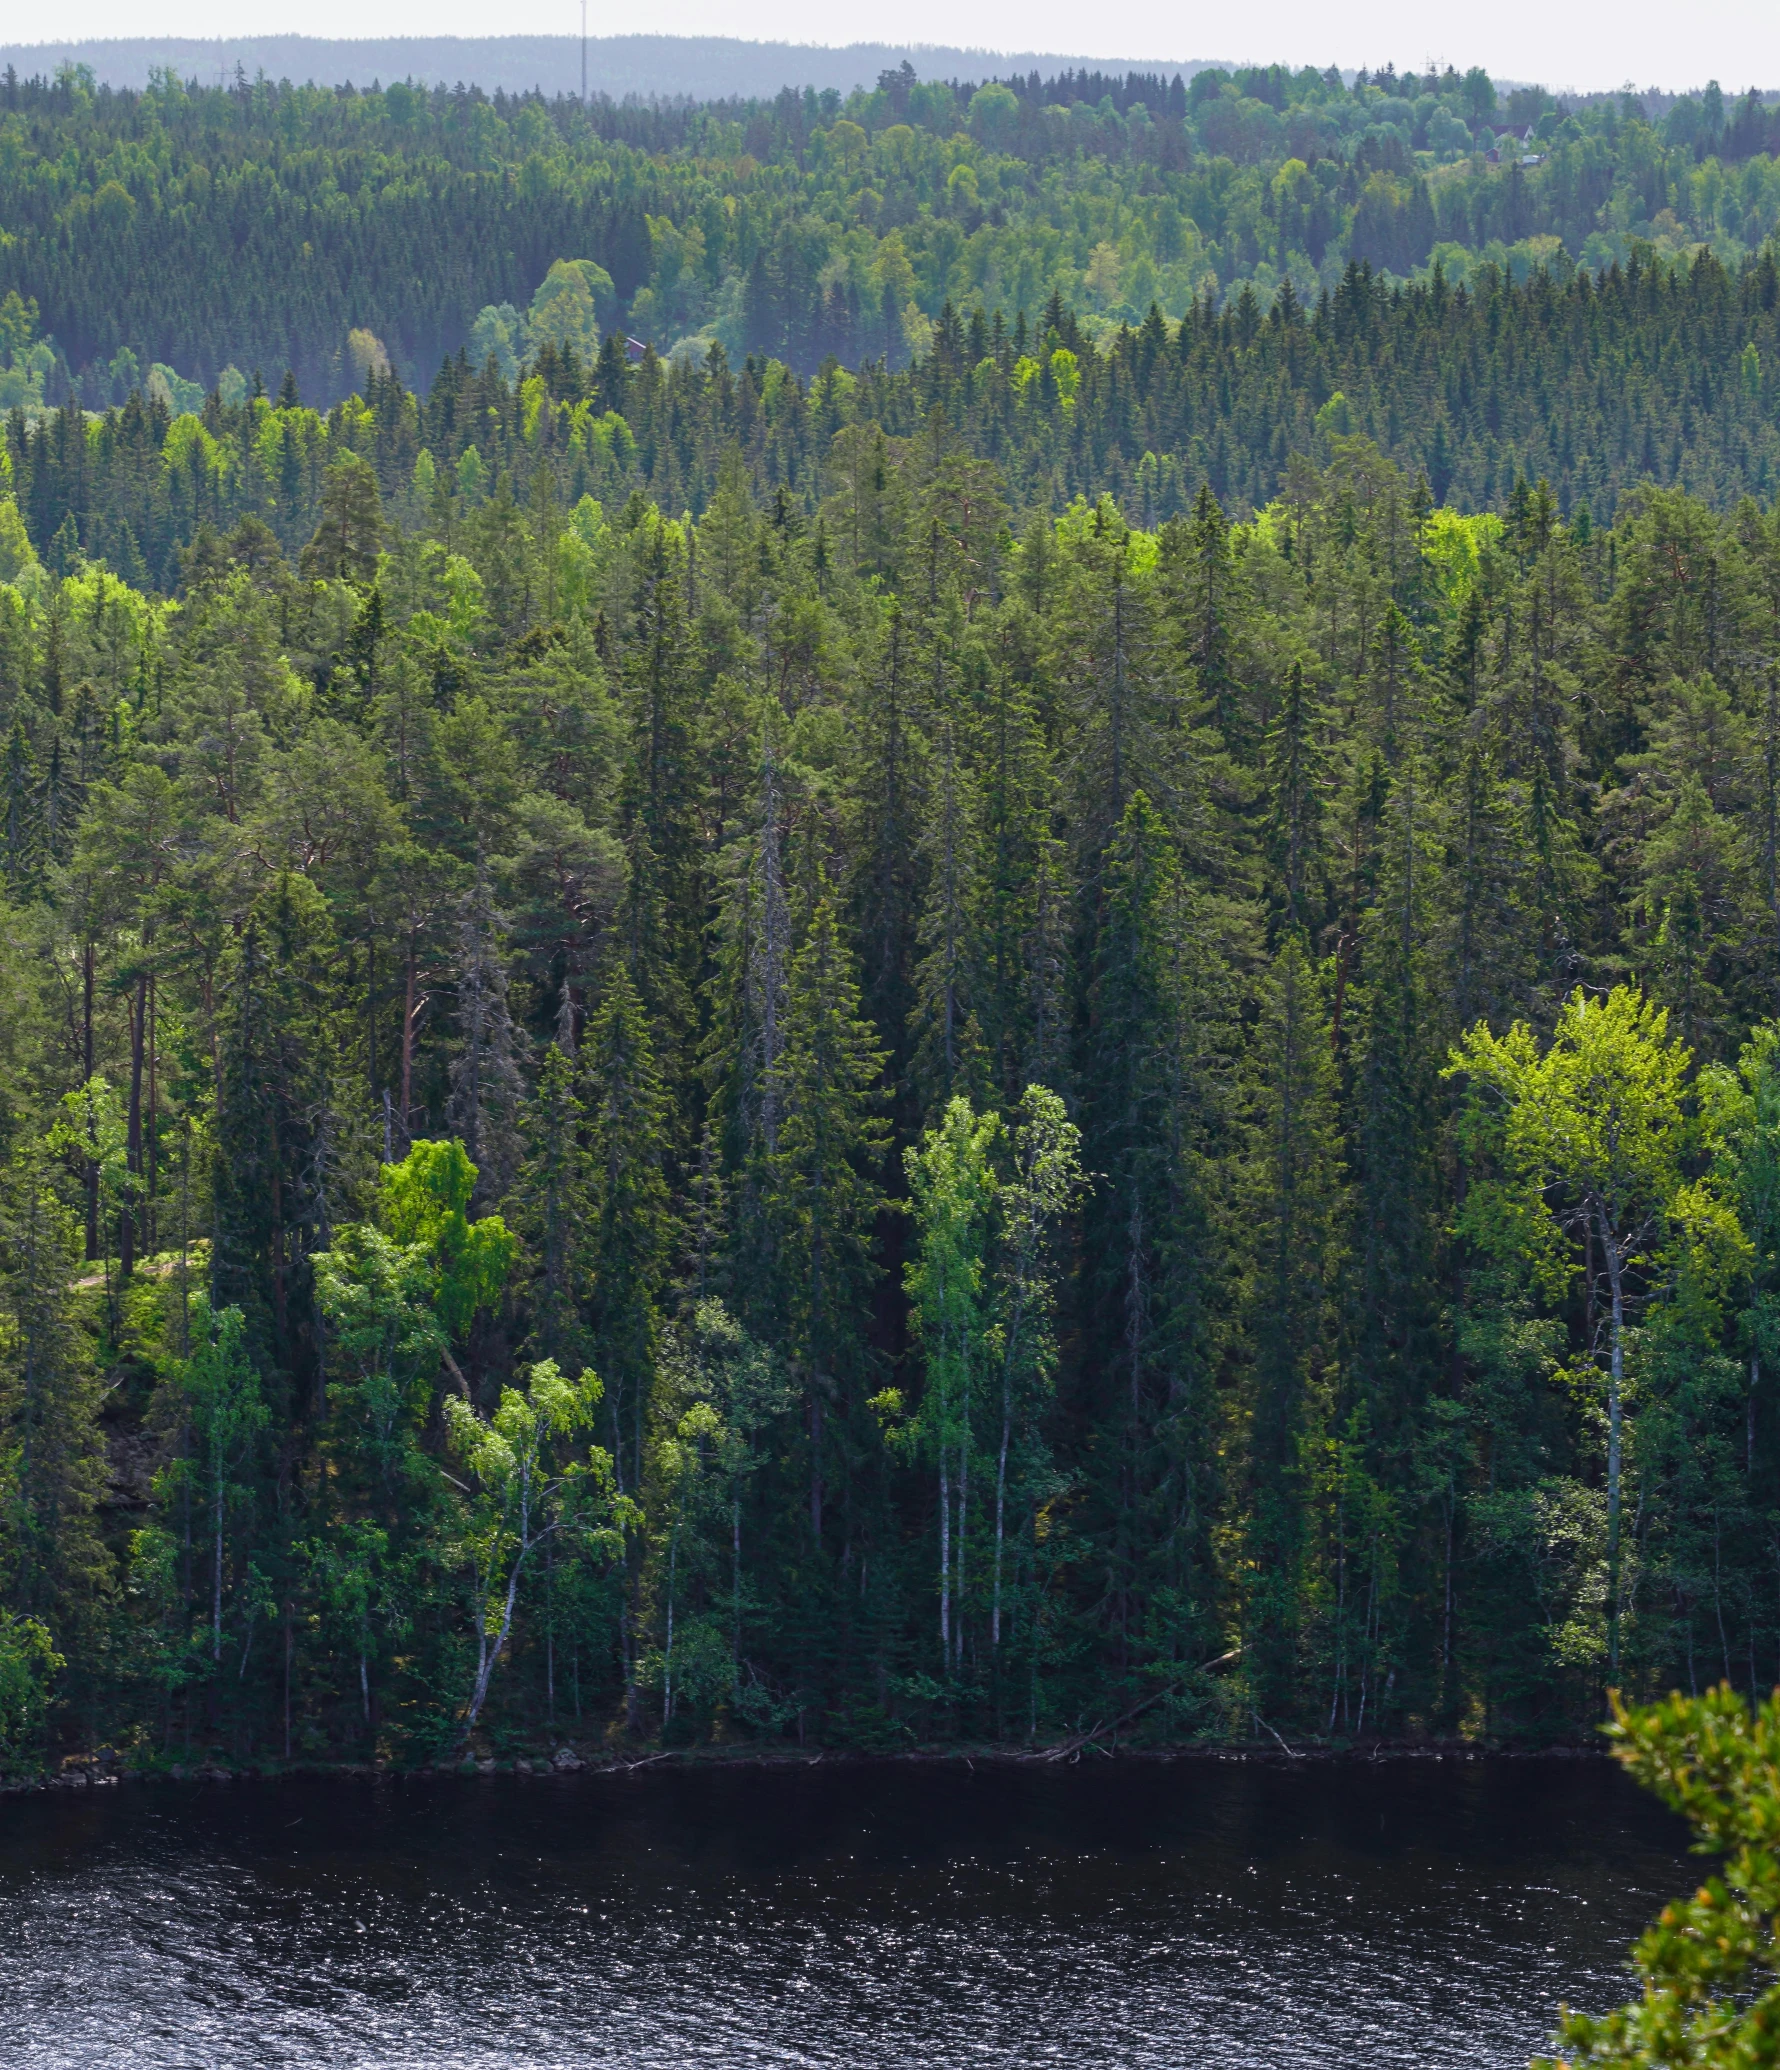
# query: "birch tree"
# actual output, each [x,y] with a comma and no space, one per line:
[1591,1139]
[227,1416]
[1033,1200]
[530,1487]
[952,1184]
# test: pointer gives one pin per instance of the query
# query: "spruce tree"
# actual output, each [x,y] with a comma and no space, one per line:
[1294,1210]
[825,1192]
[1151,1113]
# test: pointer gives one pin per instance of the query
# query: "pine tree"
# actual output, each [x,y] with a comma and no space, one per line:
[1394,1338]
[1018,904]
[351,532]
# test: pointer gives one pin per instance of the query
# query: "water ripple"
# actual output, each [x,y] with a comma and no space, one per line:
[1130,1918]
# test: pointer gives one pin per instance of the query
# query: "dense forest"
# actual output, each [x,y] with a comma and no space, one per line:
[1075,1038]
[212,231]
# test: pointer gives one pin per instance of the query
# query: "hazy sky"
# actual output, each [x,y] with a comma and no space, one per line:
[1588,45]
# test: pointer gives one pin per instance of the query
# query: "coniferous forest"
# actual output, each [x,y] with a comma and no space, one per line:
[1035,1025]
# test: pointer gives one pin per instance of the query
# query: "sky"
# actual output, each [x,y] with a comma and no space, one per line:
[1587,46]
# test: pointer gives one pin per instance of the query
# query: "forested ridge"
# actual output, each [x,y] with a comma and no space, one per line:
[1650,375]
[210,231]
[1064,1039]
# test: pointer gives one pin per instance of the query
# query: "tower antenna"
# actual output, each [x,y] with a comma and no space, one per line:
[584,53]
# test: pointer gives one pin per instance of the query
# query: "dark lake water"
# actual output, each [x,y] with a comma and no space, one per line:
[1130,1914]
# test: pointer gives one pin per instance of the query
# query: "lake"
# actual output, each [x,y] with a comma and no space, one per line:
[1130,1913]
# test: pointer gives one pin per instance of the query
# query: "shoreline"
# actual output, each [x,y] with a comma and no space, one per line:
[569,1763]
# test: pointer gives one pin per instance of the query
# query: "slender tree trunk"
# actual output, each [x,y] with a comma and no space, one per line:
[816,1459]
[217,1573]
[945,1557]
[86,1060]
[490,1650]
[1446,1619]
[127,1221]
[488,1653]
[1007,1417]
[735,1593]
[409,981]
[1338,1695]
[963,1526]
[1615,1386]
[667,1654]
[152,1139]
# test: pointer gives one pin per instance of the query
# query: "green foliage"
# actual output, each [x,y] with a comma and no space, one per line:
[951,1186]
[801,226]
[527,1493]
[1187,285]
[28,1666]
[1593,1136]
[423,1204]
[880,916]
[1710,1998]
[223,1401]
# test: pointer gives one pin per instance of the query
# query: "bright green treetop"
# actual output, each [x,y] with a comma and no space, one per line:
[1590,1135]
[424,1201]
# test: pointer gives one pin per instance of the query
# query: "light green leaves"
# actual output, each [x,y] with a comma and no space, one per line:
[510,1452]
[422,1202]
[1596,1121]
[1601,1109]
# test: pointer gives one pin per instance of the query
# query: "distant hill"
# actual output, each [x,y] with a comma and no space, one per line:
[700,67]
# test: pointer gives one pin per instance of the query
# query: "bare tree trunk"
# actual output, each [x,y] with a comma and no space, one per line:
[408,1011]
[151,1145]
[963,1524]
[816,1459]
[132,1208]
[490,1651]
[1446,1625]
[216,1576]
[667,1655]
[945,1558]
[86,1060]
[1615,1385]
[1007,1417]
